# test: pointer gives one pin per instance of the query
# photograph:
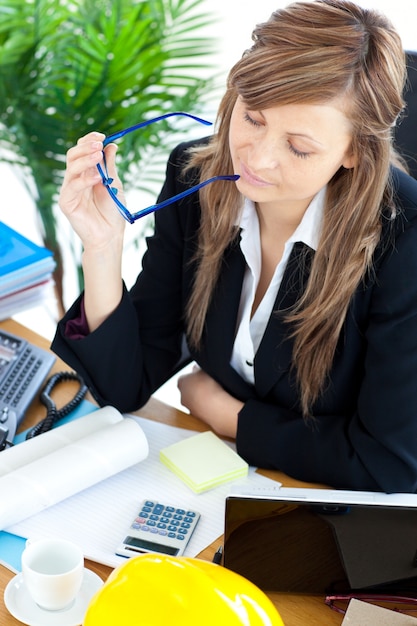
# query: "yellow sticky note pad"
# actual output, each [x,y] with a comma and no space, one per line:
[203,461]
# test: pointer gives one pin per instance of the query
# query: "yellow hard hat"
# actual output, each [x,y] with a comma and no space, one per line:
[155,590]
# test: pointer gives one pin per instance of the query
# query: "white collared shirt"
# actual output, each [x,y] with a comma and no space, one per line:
[250,331]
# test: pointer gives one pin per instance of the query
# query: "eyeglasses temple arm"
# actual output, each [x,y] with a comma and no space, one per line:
[124,132]
[329,599]
[179,196]
[160,205]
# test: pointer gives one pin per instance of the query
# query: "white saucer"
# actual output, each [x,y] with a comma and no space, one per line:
[19,603]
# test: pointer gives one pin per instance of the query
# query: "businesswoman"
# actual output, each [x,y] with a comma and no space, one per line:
[295,287]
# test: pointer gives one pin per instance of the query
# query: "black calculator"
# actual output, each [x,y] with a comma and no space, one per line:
[159,528]
[23,369]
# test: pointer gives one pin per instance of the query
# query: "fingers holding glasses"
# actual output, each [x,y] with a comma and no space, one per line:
[81,172]
[83,198]
[83,158]
[110,161]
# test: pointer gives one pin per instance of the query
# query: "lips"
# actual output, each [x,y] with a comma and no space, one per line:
[252,179]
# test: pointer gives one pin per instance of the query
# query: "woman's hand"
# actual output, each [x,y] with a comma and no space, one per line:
[84,199]
[94,217]
[208,401]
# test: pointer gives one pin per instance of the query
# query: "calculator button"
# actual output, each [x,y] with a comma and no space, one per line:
[165,525]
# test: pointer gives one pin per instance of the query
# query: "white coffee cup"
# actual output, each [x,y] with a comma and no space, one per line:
[52,572]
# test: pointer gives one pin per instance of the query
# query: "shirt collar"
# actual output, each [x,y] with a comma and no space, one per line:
[308,230]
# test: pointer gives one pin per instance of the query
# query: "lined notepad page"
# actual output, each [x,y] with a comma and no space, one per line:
[98,517]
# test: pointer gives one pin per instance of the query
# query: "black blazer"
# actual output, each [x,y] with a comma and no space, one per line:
[364,435]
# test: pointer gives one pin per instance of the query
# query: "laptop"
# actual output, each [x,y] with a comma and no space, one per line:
[319,541]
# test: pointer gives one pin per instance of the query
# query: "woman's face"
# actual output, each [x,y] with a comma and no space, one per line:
[286,154]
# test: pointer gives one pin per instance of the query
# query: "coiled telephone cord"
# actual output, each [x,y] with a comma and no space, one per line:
[53,413]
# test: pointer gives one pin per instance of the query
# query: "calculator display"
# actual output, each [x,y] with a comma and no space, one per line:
[137,544]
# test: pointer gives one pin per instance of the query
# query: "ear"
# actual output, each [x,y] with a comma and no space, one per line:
[349,161]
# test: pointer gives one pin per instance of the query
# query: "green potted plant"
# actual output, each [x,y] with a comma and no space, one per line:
[71,66]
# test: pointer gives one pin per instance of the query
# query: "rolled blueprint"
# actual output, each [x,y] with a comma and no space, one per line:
[32,449]
[69,469]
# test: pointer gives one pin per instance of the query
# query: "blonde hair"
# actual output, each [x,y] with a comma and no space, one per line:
[312,52]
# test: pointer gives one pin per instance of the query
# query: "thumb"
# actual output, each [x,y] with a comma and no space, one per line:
[110,155]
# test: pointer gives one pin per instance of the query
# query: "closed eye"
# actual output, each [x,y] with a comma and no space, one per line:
[250,119]
[298,153]
[292,148]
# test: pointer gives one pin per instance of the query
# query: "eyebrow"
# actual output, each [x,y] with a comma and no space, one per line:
[308,137]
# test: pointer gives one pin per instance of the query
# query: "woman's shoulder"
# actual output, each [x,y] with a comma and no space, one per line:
[405,191]
[404,222]
[400,232]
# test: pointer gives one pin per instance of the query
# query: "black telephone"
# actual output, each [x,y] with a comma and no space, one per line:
[23,369]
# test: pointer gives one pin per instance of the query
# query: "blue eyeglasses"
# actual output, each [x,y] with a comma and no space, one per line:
[107,181]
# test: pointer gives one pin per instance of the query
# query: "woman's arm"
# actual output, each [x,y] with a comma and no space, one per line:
[137,346]
[85,202]
[209,402]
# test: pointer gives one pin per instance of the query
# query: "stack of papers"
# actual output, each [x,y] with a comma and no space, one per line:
[203,461]
[25,272]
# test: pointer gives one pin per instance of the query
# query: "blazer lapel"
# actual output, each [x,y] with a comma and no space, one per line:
[221,322]
[274,355]
[273,358]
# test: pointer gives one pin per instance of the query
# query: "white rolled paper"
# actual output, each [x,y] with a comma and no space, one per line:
[69,469]
[32,449]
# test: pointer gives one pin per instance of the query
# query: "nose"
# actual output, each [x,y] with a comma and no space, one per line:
[264,153]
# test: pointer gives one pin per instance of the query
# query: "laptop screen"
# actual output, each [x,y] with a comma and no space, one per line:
[321,547]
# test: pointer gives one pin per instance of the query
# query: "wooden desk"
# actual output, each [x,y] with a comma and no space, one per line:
[295,610]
